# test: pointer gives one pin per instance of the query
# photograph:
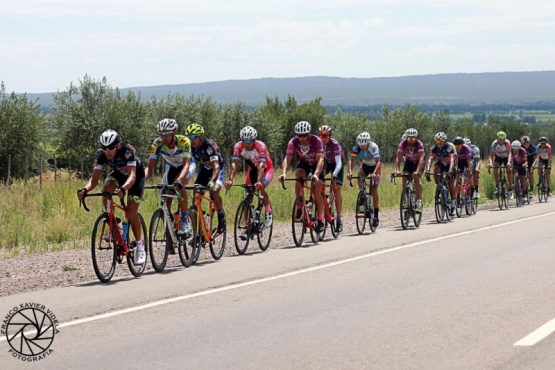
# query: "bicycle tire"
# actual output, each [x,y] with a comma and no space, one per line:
[404,208]
[333,221]
[298,226]
[187,244]
[361,211]
[264,234]
[137,270]
[217,245]
[446,201]
[193,245]
[370,218]
[158,241]
[518,191]
[104,271]
[416,216]
[314,236]
[438,205]
[241,245]
[323,232]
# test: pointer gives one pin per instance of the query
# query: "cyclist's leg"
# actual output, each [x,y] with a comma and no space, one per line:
[496,163]
[376,198]
[337,193]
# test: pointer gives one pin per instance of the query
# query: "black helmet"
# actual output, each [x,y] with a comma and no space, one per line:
[458,140]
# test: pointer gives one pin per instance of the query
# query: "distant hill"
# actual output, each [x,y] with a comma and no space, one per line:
[440,89]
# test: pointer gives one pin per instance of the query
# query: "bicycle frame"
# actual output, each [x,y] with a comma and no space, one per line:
[199,196]
[169,224]
[327,205]
[309,223]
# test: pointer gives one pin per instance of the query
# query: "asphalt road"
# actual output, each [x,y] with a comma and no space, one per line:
[474,293]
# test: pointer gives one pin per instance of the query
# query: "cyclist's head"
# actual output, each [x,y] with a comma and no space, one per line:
[195,130]
[248,133]
[302,128]
[324,132]
[458,140]
[516,145]
[467,141]
[525,140]
[501,135]
[109,140]
[543,140]
[167,124]
[440,138]
[363,138]
[411,132]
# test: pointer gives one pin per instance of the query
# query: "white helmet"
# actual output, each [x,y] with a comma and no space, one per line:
[302,127]
[404,136]
[363,138]
[441,136]
[516,145]
[109,137]
[411,132]
[248,133]
[467,141]
[167,124]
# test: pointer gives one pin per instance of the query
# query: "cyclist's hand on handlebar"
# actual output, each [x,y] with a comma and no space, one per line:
[120,192]
[259,185]
[281,178]
[211,185]
[349,176]
[488,166]
[228,184]
[177,185]
[81,193]
[315,178]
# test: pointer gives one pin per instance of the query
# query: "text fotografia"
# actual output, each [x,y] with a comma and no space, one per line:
[30,329]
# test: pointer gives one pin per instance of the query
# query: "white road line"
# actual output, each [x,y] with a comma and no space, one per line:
[281,276]
[537,335]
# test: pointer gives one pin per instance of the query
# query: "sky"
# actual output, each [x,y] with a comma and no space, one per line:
[46,45]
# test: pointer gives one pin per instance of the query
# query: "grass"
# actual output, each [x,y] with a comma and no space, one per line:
[35,220]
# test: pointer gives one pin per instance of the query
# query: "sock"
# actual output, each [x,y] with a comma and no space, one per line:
[185,217]
[140,246]
[339,217]
[376,210]
[419,202]
[268,208]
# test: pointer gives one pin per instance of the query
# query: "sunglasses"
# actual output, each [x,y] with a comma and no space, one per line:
[325,136]
[440,141]
[248,141]
[166,134]
[302,135]
[410,138]
[109,147]
[193,137]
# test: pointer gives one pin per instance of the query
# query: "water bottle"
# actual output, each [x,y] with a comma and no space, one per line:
[309,207]
[176,219]
[257,215]
[329,199]
[206,220]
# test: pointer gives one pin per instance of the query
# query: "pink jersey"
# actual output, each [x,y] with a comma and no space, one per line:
[306,153]
[259,153]
[411,153]
[544,152]
[520,157]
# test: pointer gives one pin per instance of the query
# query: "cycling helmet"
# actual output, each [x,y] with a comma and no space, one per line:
[458,140]
[302,128]
[194,129]
[324,130]
[543,138]
[109,137]
[525,139]
[248,133]
[363,138]
[440,136]
[501,135]
[467,141]
[167,124]
[404,137]
[516,145]
[411,132]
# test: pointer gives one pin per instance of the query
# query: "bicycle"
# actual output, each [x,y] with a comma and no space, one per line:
[307,219]
[105,254]
[330,214]
[442,198]
[463,193]
[364,208]
[543,194]
[249,221]
[204,234]
[518,191]
[530,184]
[163,235]
[502,192]
[407,204]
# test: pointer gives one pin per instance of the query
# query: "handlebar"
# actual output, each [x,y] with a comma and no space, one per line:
[358,177]
[302,179]
[101,194]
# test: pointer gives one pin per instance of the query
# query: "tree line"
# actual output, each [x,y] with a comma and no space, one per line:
[85,109]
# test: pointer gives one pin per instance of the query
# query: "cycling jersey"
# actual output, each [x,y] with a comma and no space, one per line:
[126,156]
[332,152]
[207,152]
[411,152]
[464,153]
[520,157]
[475,155]
[444,153]
[173,157]
[368,156]
[259,153]
[502,149]
[544,152]
[306,153]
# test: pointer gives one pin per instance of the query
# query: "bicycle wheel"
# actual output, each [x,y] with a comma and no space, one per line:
[333,222]
[103,252]
[446,202]
[439,209]
[416,216]
[542,189]
[460,205]
[518,192]
[187,245]
[298,226]
[361,211]
[404,207]
[137,270]
[242,231]
[192,248]
[159,241]
[217,245]
[370,213]
[323,232]
[315,236]
[264,233]
[502,194]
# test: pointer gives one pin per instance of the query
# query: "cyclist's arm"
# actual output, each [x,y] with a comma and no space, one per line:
[398,158]
[338,165]
[233,170]
[378,166]
[429,164]
[215,170]
[93,181]
[421,157]
[451,162]
[131,178]
[261,167]
[320,164]
[150,168]
[182,178]
[285,164]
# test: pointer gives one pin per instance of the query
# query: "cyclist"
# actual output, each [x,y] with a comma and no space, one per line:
[532,155]
[333,158]
[464,159]
[476,164]
[260,170]
[411,151]
[520,162]
[444,154]
[368,154]
[127,176]
[544,160]
[211,174]
[501,153]
[310,152]
[179,169]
